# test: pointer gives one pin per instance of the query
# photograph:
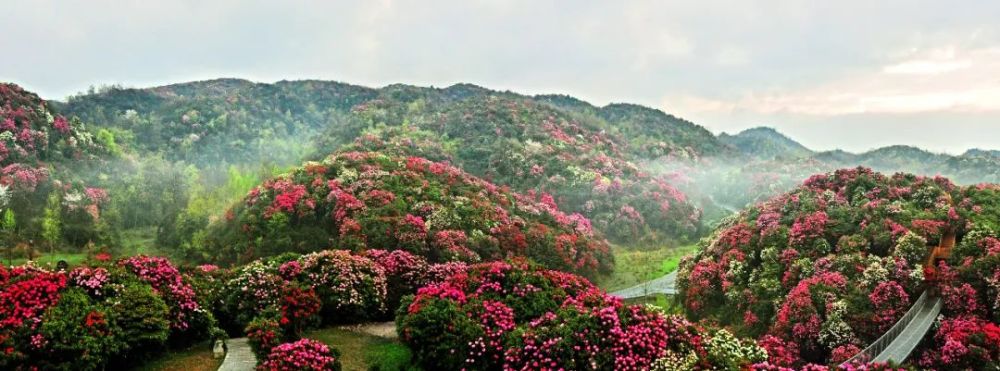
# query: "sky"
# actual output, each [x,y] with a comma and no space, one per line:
[848,74]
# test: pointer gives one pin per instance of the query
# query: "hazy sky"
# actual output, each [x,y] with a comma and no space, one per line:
[849,74]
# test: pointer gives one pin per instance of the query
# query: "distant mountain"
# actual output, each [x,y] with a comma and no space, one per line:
[766,143]
[987,153]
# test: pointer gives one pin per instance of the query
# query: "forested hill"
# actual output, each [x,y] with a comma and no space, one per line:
[237,121]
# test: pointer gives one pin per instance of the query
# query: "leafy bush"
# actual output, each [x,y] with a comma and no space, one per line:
[142,317]
[77,334]
[264,333]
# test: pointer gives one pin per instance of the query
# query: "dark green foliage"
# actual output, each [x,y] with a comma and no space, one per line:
[141,315]
[79,334]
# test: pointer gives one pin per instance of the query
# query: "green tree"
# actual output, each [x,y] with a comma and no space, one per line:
[9,226]
[51,222]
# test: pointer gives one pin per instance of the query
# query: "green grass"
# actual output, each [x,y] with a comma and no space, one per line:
[134,242]
[195,358]
[365,352]
[636,266]
[51,259]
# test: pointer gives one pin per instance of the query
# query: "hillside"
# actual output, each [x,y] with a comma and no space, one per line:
[766,143]
[820,272]
[371,200]
[46,159]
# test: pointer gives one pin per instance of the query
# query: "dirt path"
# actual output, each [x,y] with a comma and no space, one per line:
[381,329]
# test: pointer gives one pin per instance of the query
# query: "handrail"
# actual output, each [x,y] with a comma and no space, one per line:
[880,344]
[643,289]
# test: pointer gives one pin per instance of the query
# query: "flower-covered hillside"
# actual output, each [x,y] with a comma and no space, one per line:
[532,146]
[42,155]
[370,200]
[820,272]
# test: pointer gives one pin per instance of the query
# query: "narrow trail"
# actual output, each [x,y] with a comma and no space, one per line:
[239,357]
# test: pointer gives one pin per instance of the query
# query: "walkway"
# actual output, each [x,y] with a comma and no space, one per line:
[897,343]
[663,285]
[239,357]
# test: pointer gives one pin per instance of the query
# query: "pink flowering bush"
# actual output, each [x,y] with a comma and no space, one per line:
[514,315]
[433,210]
[404,273]
[302,355]
[167,280]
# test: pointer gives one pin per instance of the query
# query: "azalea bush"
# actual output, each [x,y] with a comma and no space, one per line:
[822,271]
[301,355]
[370,200]
[516,315]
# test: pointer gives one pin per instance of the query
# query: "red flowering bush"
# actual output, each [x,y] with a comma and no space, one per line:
[93,317]
[264,333]
[370,200]
[964,343]
[514,315]
[302,355]
[299,308]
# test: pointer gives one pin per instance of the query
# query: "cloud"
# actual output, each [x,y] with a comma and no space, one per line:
[944,79]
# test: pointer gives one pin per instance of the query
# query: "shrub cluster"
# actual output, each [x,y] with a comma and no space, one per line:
[93,317]
[273,301]
[515,315]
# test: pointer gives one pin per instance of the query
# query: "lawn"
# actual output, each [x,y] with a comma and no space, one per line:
[365,352]
[196,358]
[135,241]
[636,266]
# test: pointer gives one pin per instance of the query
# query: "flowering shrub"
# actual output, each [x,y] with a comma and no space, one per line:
[404,273]
[351,287]
[93,317]
[255,288]
[514,315]
[370,200]
[301,355]
[263,334]
[167,280]
[964,343]
[299,308]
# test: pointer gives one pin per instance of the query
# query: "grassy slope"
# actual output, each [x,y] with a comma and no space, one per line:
[635,266]
[196,358]
[364,352]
